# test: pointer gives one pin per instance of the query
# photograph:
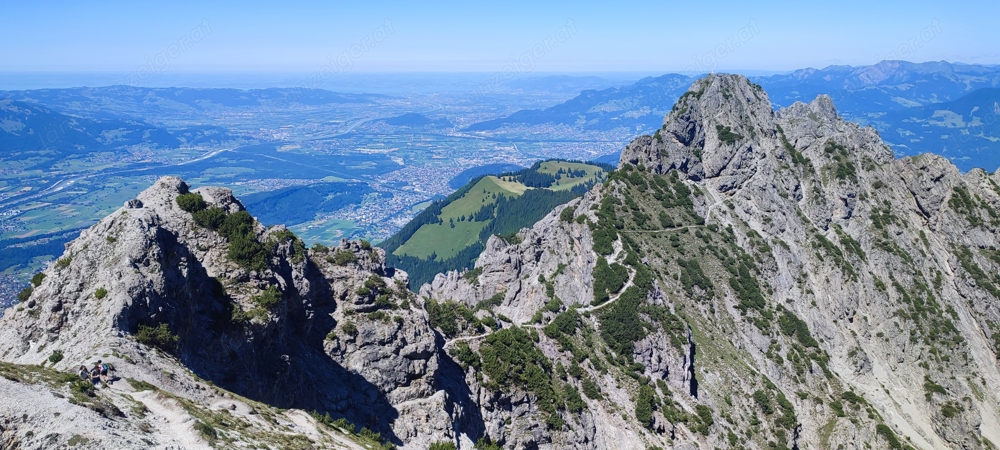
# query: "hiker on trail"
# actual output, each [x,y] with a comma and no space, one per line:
[105,368]
[84,373]
[95,375]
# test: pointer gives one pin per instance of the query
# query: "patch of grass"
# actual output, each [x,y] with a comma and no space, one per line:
[140,385]
[100,293]
[206,431]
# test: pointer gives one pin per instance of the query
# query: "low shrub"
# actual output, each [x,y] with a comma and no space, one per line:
[212,218]
[158,336]
[191,202]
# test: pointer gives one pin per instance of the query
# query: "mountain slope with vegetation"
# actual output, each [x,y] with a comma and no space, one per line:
[752,279]
[449,234]
[747,278]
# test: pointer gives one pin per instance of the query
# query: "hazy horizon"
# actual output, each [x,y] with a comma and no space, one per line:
[30,80]
[632,36]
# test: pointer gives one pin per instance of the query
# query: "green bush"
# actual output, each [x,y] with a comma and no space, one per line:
[212,218]
[574,402]
[342,257]
[763,401]
[36,280]
[25,294]
[485,443]
[621,325]
[349,328]
[608,279]
[644,405]
[472,276]
[451,317]
[82,388]
[62,263]
[591,390]
[495,300]
[564,323]
[466,356]
[931,388]
[268,299]
[442,445]
[791,324]
[692,276]
[705,414]
[247,252]
[100,293]
[191,202]
[158,336]
[887,434]
[56,356]
[566,215]
[510,358]
[727,135]
[240,223]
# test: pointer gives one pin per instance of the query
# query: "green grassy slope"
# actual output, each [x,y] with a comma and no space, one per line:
[449,234]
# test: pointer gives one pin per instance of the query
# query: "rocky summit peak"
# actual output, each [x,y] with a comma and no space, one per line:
[724,128]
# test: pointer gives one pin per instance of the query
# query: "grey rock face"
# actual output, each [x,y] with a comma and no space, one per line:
[551,250]
[155,266]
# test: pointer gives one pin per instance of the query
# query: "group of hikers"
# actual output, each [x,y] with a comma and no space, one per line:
[99,374]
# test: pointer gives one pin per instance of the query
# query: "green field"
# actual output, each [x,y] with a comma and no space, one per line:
[327,232]
[446,240]
[567,183]
[446,228]
[485,191]
[441,239]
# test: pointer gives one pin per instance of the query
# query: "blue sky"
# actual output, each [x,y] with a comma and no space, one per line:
[623,36]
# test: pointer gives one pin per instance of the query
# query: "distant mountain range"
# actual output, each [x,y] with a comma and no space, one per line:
[29,127]
[114,101]
[909,103]
[639,106]
[77,121]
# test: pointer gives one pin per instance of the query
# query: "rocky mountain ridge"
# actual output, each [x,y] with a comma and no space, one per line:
[747,278]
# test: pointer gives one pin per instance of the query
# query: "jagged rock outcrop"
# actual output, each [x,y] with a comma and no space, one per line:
[327,329]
